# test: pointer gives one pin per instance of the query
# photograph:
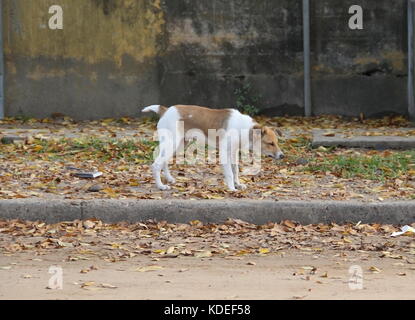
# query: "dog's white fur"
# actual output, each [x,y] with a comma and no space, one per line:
[155,108]
[228,152]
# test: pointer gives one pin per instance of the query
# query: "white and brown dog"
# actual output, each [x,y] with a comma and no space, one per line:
[226,122]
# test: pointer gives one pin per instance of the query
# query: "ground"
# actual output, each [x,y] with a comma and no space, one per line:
[234,260]
[44,163]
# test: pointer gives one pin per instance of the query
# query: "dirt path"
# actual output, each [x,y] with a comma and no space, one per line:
[233,260]
[271,277]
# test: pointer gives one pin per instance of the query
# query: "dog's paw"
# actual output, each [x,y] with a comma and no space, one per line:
[164,187]
[232,189]
[241,186]
[171,180]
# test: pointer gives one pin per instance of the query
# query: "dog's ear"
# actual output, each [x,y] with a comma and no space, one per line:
[278,132]
[262,128]
[259,127]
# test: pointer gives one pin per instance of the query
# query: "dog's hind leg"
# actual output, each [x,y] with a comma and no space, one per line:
[225,157]
[156,167]
[162,161]
[170,137]
[166,171]
[235,168]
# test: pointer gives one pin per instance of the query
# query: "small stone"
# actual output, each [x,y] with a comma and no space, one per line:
[30,140]
[95,188]
[88,224]
[88,175]
[301,161]
[57,115]
[12,139]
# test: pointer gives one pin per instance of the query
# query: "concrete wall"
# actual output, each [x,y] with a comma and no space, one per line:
[359,70]
[115,55]
[102,64]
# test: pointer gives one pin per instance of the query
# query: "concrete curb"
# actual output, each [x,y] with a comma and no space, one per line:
[371,142]
[215,211]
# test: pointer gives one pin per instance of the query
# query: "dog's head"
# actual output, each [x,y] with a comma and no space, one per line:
[269,142]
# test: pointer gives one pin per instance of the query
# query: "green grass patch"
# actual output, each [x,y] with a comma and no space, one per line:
[372,167]
[105,150]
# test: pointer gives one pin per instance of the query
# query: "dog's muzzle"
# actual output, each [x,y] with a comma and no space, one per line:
[277,156]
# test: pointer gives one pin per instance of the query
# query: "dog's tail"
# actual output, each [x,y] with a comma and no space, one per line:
[156,109]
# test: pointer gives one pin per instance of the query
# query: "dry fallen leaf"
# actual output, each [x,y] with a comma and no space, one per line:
[87,284]
[149,268]
[108,286]
[88,224]
[203,254]
[6,268]
[309,268]
[170,250]
[289,224]
[375,269]
[264,250]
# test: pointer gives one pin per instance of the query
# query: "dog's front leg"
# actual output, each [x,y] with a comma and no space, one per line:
[238,184]
[156,167]
[229,180]
[167,173]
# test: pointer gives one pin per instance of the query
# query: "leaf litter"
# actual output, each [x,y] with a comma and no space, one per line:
[233,239]
[43,166]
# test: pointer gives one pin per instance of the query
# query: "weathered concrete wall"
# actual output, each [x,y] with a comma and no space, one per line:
[357,71]
[103,63]
[115,55]
[216,46]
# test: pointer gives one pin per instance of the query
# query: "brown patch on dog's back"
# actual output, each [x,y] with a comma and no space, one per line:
[162,110]
[195,117]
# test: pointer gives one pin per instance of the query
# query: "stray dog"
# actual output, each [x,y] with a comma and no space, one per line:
[225,121]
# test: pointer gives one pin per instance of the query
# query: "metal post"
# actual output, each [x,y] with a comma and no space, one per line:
[307,72]
[411,99]
[1,63]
